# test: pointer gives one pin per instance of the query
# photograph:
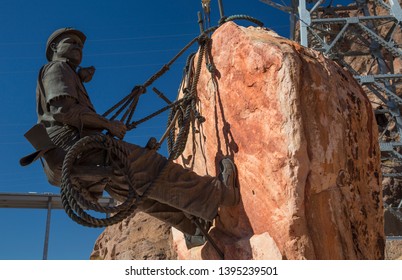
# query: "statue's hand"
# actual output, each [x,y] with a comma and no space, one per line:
[117,128]
[86,73]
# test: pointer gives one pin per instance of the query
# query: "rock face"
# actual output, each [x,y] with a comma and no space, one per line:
[304,139]
[394,250]
[366,65]
[141,237]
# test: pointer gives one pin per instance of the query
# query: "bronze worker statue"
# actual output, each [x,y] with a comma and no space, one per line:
[66,114]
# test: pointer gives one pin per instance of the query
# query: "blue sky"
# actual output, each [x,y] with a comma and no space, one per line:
[127,42]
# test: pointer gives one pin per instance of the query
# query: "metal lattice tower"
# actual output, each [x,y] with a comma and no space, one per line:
[365,37]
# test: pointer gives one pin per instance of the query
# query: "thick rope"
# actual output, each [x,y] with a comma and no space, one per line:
[72,199]
[242,17]
[177,143]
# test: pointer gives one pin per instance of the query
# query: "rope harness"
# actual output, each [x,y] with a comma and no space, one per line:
[183,113]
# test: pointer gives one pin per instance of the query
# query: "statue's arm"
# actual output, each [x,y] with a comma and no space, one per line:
[68,111]
[60,86]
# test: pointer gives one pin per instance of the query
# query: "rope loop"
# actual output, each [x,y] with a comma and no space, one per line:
[244,17]
[73,193]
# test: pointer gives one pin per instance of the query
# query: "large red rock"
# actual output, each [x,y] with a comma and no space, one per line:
[303,136]
[140,237]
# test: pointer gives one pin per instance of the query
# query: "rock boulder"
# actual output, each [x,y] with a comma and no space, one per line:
[140,237]
[304,139]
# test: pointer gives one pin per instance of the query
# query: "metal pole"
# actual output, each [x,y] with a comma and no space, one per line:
[47,232]
[200,22]
[305,21]
[221,12]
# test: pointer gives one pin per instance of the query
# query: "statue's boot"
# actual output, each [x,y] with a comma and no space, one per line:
[228,176]
[198,238]
[230,197]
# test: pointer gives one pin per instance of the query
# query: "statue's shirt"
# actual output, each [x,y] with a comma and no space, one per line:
[61,100]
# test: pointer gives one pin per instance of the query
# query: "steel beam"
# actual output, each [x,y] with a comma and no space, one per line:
[38,200]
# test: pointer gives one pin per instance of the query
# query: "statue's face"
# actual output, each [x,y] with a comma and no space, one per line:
[69,46]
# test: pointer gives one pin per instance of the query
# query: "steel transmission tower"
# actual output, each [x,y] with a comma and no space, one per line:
[366,38]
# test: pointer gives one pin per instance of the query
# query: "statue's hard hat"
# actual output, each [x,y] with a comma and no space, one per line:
[57,33]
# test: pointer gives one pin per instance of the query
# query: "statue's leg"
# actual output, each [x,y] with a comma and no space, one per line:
[169,215]
[197,195]
[169,183]
[153,176]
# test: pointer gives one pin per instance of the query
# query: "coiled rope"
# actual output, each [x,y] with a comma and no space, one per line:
[72,199]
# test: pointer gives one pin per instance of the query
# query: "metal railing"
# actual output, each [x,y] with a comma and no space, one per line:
[46,201]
